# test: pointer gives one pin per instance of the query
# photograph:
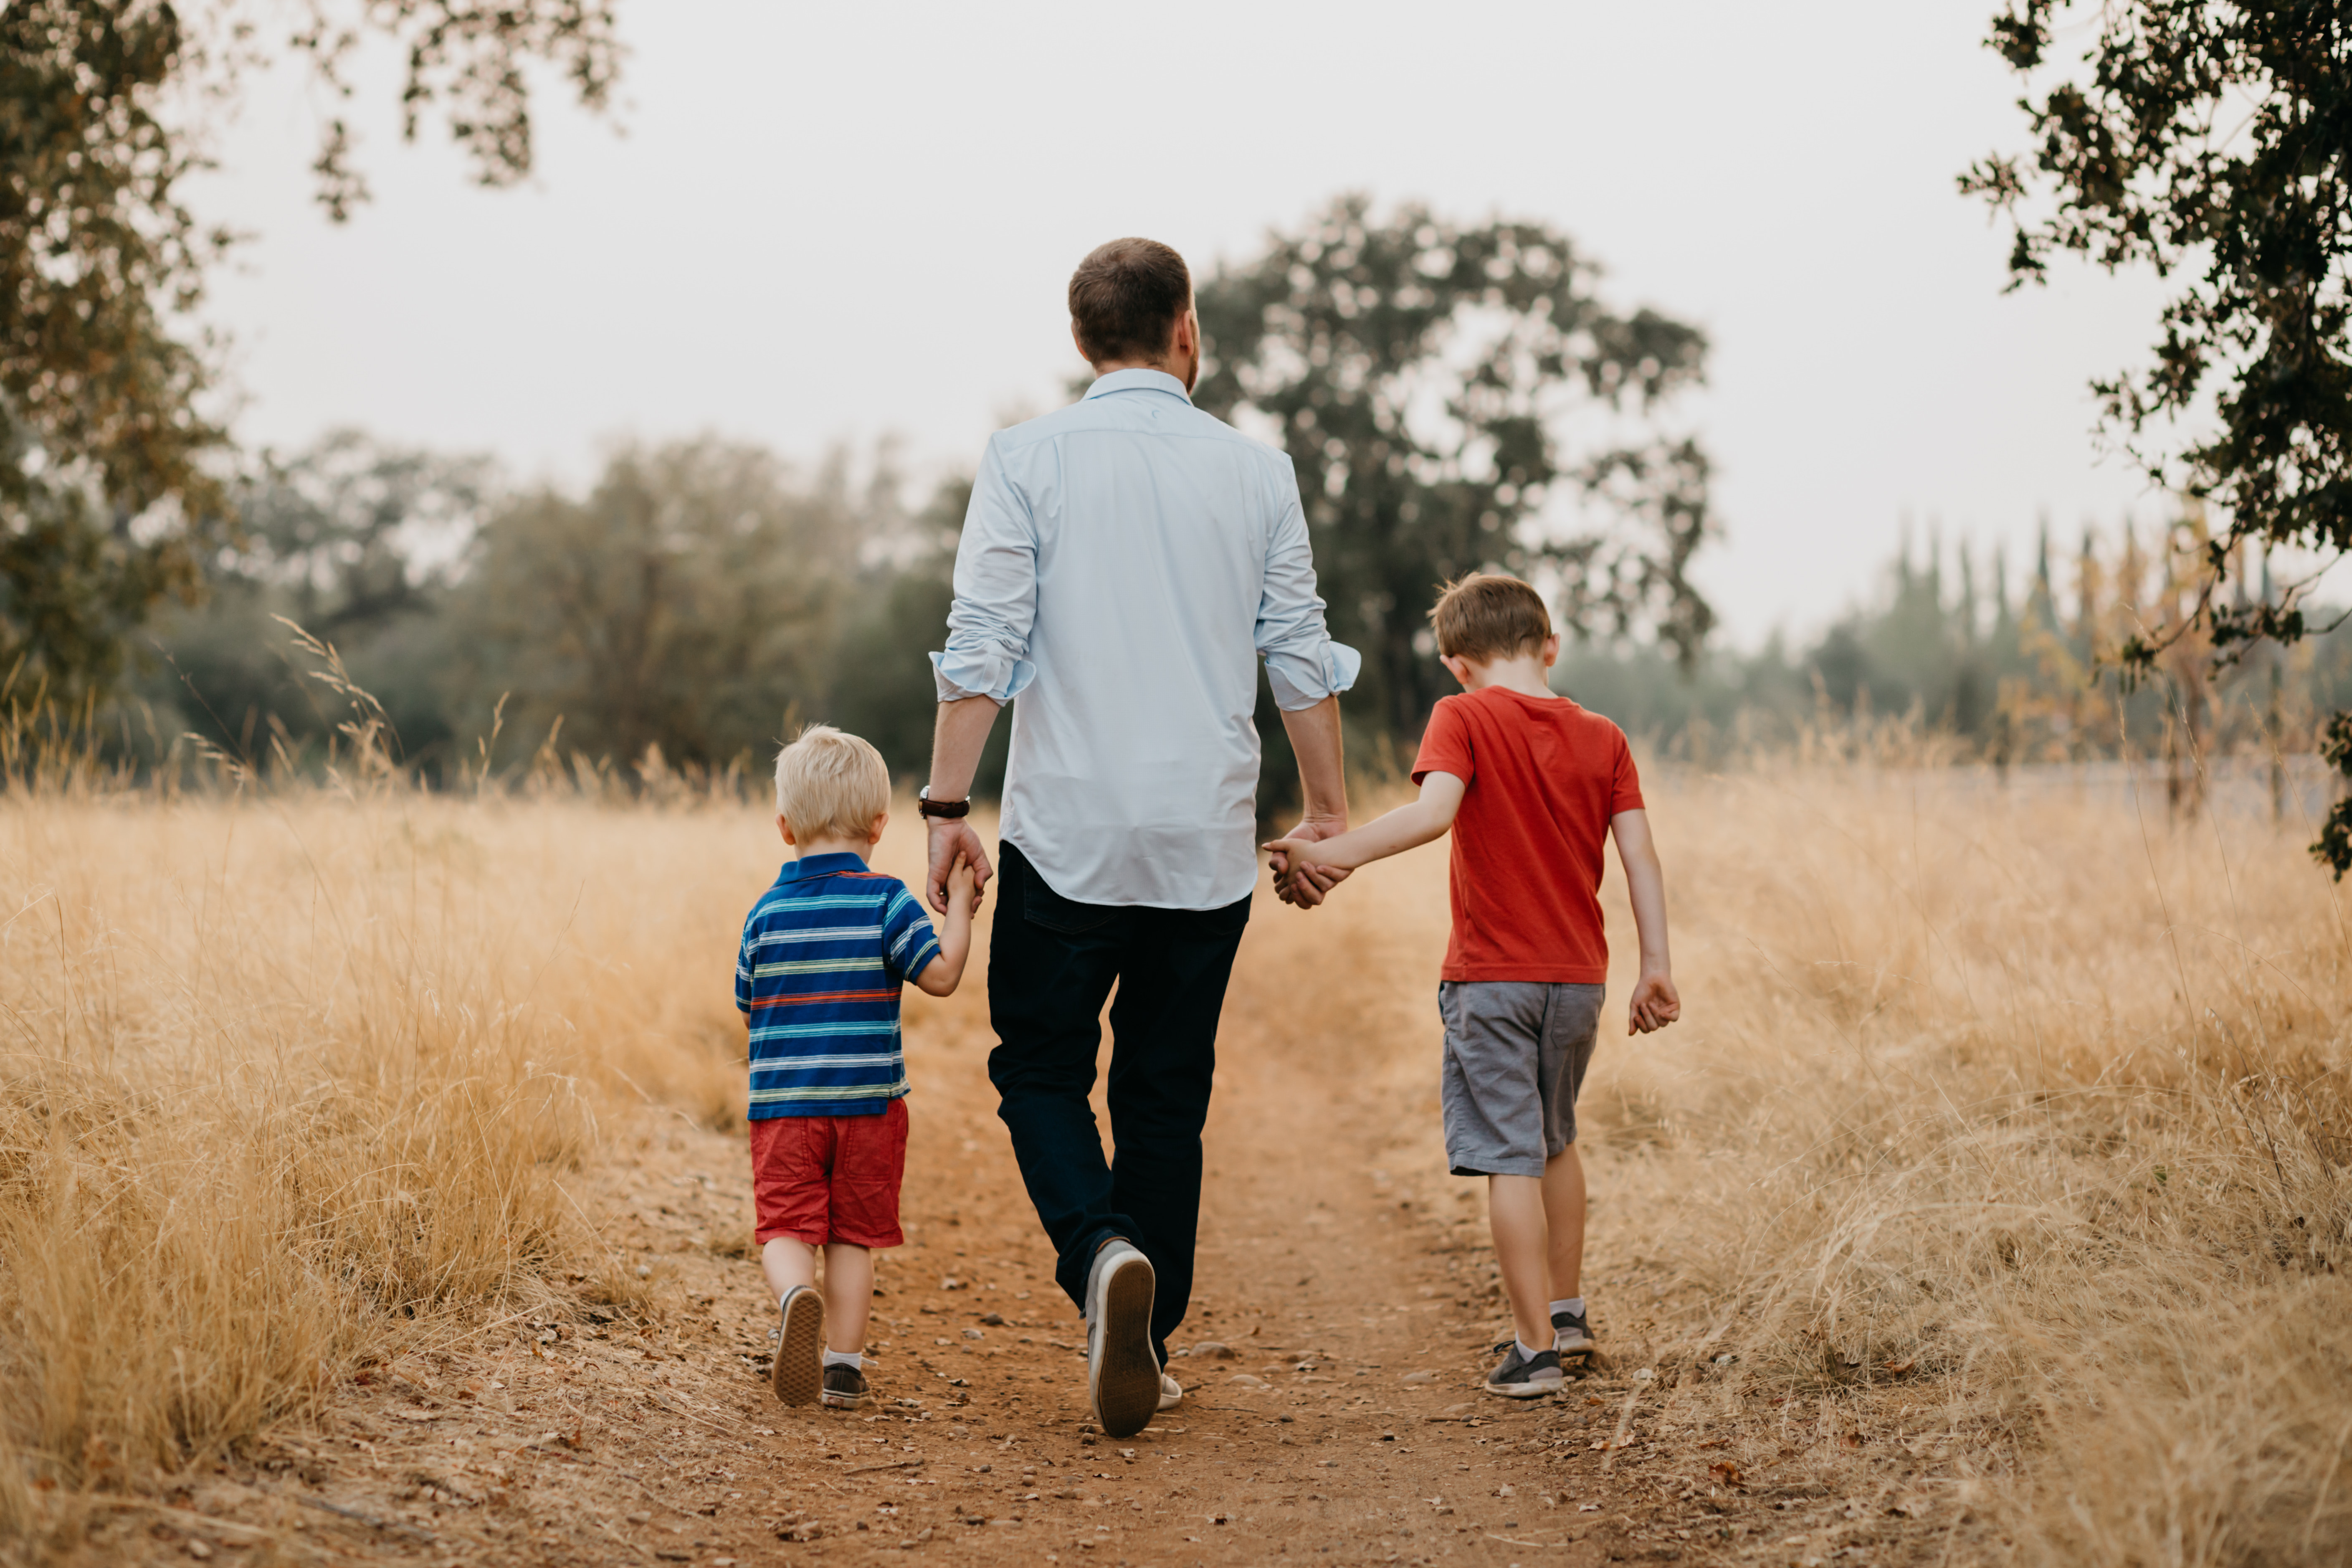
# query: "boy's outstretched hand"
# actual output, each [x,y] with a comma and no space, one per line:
[1656,1004]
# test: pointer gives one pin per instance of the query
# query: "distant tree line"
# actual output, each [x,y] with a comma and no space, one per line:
[696,605]
[704,598]
[2005,671]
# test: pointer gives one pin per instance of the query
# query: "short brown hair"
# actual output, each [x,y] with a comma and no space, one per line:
[1485,617]
[1125,298]
[830,784]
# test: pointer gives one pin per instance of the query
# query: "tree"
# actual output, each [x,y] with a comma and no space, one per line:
[1423,377]
[2209,140]
[112,478]
[690,601]
[355,540]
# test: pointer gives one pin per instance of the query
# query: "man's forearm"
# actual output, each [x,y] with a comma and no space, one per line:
[1322,764]
[958,737]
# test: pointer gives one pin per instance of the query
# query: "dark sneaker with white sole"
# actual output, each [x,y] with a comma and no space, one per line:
[1517,1376]
[1572,1335]
[845,1388]
[794,1373]
[1122,1371]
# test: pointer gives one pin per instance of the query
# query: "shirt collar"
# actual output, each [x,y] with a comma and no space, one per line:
[1137,381]
[820,866]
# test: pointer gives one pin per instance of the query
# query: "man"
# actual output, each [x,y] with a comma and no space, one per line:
[1123,563]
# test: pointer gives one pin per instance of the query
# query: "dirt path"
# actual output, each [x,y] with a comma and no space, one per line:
[1342,1272]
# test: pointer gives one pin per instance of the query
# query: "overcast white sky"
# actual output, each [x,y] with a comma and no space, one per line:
[817,224]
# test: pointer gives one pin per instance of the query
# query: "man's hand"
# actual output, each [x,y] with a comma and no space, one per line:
[951,837]
[1656,1004]
[1298,880]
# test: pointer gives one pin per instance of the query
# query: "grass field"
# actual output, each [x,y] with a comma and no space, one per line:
[2006,1130]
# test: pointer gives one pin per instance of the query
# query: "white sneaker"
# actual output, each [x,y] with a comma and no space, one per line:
[1122,1374]
[1171,1393]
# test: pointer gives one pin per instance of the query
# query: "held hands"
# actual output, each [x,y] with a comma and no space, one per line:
[1299,878]
[963,887]
[955,847]
[1656,1004]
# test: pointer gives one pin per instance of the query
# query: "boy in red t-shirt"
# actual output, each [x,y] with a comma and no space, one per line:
[1532,784]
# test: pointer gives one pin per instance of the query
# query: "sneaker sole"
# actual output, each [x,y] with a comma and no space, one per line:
[846,1401]
[796,1375]
[1535,1388]
[1126,1373]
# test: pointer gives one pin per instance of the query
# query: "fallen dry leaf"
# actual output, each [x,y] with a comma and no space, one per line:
[1899,1367]
[1727,1471]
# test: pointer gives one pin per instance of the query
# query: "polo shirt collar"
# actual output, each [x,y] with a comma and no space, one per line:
[1137,381]
[820,866]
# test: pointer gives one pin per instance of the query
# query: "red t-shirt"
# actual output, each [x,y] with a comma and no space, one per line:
[1544,777]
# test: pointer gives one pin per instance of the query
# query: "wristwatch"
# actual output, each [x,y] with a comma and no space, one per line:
[940,808]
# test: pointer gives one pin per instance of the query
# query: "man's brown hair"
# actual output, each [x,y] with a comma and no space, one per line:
[1485,617]
[1125,298]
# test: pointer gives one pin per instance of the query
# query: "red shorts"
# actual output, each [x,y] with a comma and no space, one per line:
[829,1178]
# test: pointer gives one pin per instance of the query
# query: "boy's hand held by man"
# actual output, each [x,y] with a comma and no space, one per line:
[954,843]
[1299,878]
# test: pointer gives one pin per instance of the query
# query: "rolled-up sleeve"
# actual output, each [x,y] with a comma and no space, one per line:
[995,592]
[1303,665]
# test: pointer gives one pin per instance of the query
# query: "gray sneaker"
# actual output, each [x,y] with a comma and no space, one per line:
[845,1388]
[1572,1335]
[1122,1372]
[794,1373]
[1520,1377]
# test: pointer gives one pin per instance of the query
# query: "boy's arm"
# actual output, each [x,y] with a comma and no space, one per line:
[1406,827]
[941,974]
[1655,1002]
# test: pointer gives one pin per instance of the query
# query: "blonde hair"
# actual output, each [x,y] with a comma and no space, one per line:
[831,785]
[1485,615]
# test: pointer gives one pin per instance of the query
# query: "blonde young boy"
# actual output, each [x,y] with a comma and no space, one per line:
[825,953]
[1530,784]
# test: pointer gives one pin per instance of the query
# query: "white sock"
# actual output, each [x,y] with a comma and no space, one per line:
[1527,1352]
[851,1359]
[1574,1304]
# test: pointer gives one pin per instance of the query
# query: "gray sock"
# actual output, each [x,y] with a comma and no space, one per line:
[1574,1306]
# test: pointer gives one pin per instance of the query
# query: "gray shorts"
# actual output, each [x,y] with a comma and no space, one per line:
[1515,1051]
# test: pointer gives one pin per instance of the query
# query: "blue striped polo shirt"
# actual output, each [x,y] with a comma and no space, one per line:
[825,951]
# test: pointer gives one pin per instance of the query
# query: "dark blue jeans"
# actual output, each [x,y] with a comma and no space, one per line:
[1051,964]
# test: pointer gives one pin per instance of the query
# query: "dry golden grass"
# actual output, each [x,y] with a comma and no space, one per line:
[2016,1120]
[2006,1129]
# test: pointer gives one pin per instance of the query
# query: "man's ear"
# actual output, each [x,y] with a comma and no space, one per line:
[1081,343]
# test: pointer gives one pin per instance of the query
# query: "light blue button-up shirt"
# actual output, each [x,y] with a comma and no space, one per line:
[1124,562]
